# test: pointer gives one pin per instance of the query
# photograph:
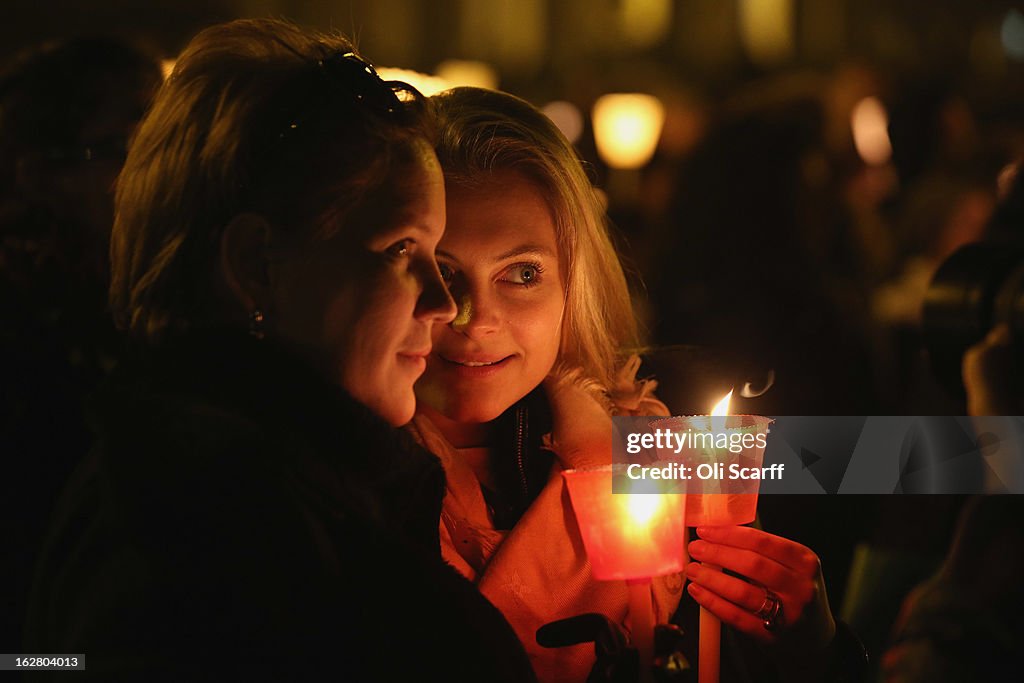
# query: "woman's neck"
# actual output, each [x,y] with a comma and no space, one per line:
[473,440]
[461,434]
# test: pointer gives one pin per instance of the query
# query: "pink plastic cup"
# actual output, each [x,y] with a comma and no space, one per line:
[718,500]
[628,536]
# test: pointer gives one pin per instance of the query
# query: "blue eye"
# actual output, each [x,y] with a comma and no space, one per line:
[525,274]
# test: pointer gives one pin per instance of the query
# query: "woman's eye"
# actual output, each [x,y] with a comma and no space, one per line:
[523,274]
[447,272]
[400,248]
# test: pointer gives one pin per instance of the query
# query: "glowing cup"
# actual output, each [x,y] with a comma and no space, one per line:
[628,536]
[718,451]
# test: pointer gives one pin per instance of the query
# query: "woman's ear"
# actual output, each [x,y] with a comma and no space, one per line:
[245,260]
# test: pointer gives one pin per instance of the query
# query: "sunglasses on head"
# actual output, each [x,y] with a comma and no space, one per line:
[354,80]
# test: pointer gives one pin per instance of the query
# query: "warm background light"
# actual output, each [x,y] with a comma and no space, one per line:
[627,127]
[510,33]
[870,126]
[645,22]
[567,117]
[767,28]
[468,72]
[425,83]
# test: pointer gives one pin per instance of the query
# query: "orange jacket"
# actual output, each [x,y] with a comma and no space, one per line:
[538,572]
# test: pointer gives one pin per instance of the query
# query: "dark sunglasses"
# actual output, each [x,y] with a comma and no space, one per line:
[354,81]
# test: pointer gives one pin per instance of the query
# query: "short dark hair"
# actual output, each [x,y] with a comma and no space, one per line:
[257,115]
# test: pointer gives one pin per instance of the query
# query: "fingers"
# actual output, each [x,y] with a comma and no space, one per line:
[783,551]
[741,593]
[730,613]
[762,563]
[748,563]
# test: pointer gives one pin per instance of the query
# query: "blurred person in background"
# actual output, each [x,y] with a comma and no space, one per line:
[761,263]
[67,111]
[946,197]
[954,625]
[963,624]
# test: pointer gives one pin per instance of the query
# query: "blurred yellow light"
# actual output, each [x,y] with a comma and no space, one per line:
[766,28]
[510,33]
[567,117]
[167,67]
[425,83]
[870,126]
[627,127]
[467,72]
[645,22]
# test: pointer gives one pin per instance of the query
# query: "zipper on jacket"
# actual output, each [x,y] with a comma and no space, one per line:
[521,427]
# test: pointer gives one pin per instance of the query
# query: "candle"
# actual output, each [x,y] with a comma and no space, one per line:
[641,622]
[709,652]
[709,644]
[717,500]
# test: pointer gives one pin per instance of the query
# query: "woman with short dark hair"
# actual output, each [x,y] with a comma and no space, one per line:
[250,513]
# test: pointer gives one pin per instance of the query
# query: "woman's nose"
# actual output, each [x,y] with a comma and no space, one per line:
[477,317]
[435,302]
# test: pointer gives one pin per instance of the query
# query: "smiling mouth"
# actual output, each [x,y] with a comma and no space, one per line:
[475,364]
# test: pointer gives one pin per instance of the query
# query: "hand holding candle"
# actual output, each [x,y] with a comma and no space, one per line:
[715,501]
[786,568]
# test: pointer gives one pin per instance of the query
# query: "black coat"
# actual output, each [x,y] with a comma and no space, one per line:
[242,519]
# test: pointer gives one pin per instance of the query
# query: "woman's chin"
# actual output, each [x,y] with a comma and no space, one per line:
[464,412]
[474,415]
[396,410]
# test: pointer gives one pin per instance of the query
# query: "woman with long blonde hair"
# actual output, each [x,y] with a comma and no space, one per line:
[522,384]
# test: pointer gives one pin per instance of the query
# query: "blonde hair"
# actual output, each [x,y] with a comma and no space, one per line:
[259,116]
[483,131]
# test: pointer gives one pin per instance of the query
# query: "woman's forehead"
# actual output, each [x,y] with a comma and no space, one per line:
[412,192]
[504,216]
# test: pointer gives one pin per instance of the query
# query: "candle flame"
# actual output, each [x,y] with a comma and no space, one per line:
[642,507]
[721,408]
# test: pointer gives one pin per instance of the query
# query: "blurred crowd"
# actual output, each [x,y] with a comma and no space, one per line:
[794,238]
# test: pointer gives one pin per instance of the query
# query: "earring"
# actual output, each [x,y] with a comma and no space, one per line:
[256,324]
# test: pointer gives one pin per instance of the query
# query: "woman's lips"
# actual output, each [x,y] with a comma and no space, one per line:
[474,366]
[415,360]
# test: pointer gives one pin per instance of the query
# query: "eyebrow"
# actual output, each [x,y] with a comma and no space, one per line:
[512,253]
[406,223]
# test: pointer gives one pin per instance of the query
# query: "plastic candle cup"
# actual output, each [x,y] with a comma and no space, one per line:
[628,535]
[715,497]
